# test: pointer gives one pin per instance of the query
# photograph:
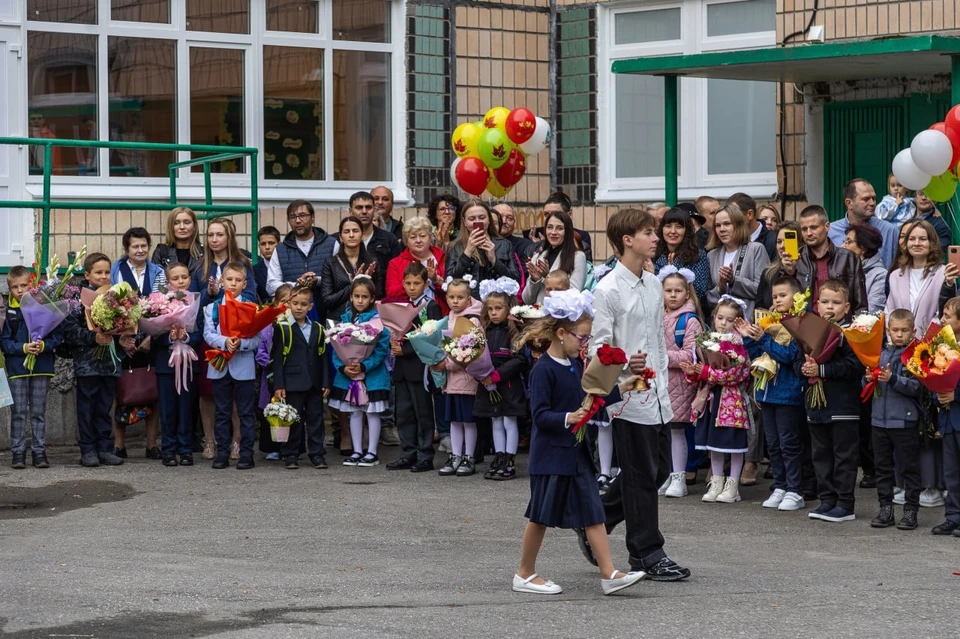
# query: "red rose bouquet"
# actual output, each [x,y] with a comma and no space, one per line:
[600,377]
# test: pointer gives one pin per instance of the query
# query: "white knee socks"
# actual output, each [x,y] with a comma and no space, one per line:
[499,435]
[678,449]
[736,465]
[356,431]
[506,435]
[716,463]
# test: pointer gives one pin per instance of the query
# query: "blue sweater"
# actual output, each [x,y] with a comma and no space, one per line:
[376,376]
[786,389]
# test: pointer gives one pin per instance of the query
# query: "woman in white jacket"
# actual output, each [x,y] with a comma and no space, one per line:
[557,252]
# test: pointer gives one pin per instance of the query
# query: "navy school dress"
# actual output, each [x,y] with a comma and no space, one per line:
[563,484]
[710,437]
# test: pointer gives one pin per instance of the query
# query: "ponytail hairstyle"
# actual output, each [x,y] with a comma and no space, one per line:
[691,292]
[365,282]
[509,301]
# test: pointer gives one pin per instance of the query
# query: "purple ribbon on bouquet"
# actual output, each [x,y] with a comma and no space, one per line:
[181,360]
[357,393]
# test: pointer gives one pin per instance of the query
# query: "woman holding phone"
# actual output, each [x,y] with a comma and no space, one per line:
[558,251]
[477,252]
[787,254]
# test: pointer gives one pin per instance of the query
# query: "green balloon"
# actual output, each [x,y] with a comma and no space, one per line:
[941,187]
[494,148]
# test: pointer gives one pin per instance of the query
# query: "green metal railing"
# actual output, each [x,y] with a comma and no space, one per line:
[206,211]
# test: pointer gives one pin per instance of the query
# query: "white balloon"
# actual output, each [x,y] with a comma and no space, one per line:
[931,152]
[453,173]
[539,140]
[908,173]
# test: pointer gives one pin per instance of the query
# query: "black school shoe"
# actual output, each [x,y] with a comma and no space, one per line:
[19,461]
[291,463]
[908,521]
[319,462]
[120,452]
[152,453]
[186,460]
[40,460]
[585,547]
[884,518]
[245,463]
[422,467]
[220,463]
[945,528]
[666,570]
[170,460]
[402,464]
[868,481]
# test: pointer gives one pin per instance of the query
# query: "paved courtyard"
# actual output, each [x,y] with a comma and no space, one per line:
[148,551]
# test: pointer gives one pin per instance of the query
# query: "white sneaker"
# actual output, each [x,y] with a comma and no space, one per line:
[775,498]
[714,488]
[678,485]
[526,585]
[615,584]
[663,488]
[931,498]
[899,496]
[792,501]
[731,491]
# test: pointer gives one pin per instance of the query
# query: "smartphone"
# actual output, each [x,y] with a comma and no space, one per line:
[478,226]
[953,254]
[790,245]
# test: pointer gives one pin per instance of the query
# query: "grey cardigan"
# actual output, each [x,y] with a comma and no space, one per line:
[876,281]
[746,278]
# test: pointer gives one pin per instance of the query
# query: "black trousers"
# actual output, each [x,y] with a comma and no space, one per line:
[644,454]
[836,449]
[95,425]
[309,405]
[867,462]
[904,445]
[226,391]
[415,420]
[807,473]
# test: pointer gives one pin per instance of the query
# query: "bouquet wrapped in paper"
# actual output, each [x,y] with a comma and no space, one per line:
[935,359]
[165,311]
[865,336]
[242,320]
[41,318]
[721,351]
[765,368]
[817,338]
[281,416]
[466,346]
[398,317]
[426,342]
[353,343]
[527,313]
[599,379]
[113,310]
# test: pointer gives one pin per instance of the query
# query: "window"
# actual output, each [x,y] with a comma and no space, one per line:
[312,83]
[734,122]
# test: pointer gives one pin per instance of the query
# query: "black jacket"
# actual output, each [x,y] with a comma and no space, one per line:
[842,265]
[509,366]
[335,283]
[383,247]
[407,366]
[841,385]
[304,367]
[166,255]
[769,241]
[459,264]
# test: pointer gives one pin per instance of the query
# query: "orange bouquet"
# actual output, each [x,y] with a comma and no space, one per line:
[242,320]
[865,336]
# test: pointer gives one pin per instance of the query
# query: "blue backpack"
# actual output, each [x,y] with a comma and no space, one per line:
[681,328]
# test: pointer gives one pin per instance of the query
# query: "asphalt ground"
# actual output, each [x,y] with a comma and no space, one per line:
[147,551]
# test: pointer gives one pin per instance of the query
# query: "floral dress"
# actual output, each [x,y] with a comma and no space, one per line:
[726,419]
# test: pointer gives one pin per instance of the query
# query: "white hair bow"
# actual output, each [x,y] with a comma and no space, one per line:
[505,285]
[670,269]
[736,300]
[466,278]
[569,305]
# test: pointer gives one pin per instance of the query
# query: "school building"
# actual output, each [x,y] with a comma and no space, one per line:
[342,95]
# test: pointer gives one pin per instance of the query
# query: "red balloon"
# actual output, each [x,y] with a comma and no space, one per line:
[954,136]
[512,170]
[473,175]
[952,121]
[520,125]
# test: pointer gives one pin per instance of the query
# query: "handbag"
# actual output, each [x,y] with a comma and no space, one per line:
[137,387]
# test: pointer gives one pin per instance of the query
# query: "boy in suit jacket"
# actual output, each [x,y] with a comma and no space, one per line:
[301,377]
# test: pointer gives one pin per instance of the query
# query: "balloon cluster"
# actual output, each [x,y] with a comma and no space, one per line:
[492,154]
[931,162]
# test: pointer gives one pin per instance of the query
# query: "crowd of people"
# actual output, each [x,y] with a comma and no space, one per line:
[677,273]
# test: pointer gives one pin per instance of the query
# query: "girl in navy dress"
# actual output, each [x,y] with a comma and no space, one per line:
[563,492]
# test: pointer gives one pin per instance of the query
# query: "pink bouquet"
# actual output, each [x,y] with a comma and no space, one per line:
[354,343]
[467,347]
[165,311]
[398,317]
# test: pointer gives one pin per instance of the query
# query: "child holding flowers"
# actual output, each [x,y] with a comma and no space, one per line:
[370,374]
[949,429]
[562,488]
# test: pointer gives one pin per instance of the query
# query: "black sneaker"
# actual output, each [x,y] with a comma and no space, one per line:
[170,460]
[291,463]
[110,459]
[153,453]
[90,459]
[120,452]
[666,570]
[584,544]
[319,462]
[884,518]
[186,460]
[19,461]
[838,514]
[422,466]
[945,528]
[819,511]
[245,463]
[908,521]
[220,463]
[40,460]
[402,464]
[868,481]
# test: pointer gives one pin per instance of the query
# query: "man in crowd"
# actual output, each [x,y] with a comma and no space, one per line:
[508,223]
[820,260]
[707,207]
[382,245]
[383,204]
[302,252]
[758,230]
[657,209]
[561,202]
[860,198]
[927,211]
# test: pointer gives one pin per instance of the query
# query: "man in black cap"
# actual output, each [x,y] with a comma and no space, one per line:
[699,223]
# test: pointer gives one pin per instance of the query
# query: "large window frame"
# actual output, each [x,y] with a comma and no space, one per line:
[190,184]
[694,179]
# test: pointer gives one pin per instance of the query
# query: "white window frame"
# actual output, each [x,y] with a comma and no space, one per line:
[693,178]
[226,187]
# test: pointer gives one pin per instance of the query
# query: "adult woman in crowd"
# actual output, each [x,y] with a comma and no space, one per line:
[351,260]
[477,252]
[736,263]
[182,241]
[145,278]
[769,216]
[865,241]
[918,276]
[445,213]
[678,246]
[775,270]
[418,238]
[557,251]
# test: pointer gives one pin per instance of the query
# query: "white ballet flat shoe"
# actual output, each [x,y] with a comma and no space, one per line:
[615,584]
[526,585]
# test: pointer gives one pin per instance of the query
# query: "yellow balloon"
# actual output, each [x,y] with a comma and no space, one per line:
[465,139]
[496,189]
[496,118]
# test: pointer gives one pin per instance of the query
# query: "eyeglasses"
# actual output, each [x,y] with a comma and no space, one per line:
[583,338]
[299,217]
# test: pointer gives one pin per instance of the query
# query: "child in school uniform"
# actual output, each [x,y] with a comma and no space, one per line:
[498,298]
[176,409]
[834,436]
[949,428]
[28,386]
[267,446]
[96,376]
[562,489]
[895,420]
[414,402]
[301,377]
[372,371]
[236,383]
